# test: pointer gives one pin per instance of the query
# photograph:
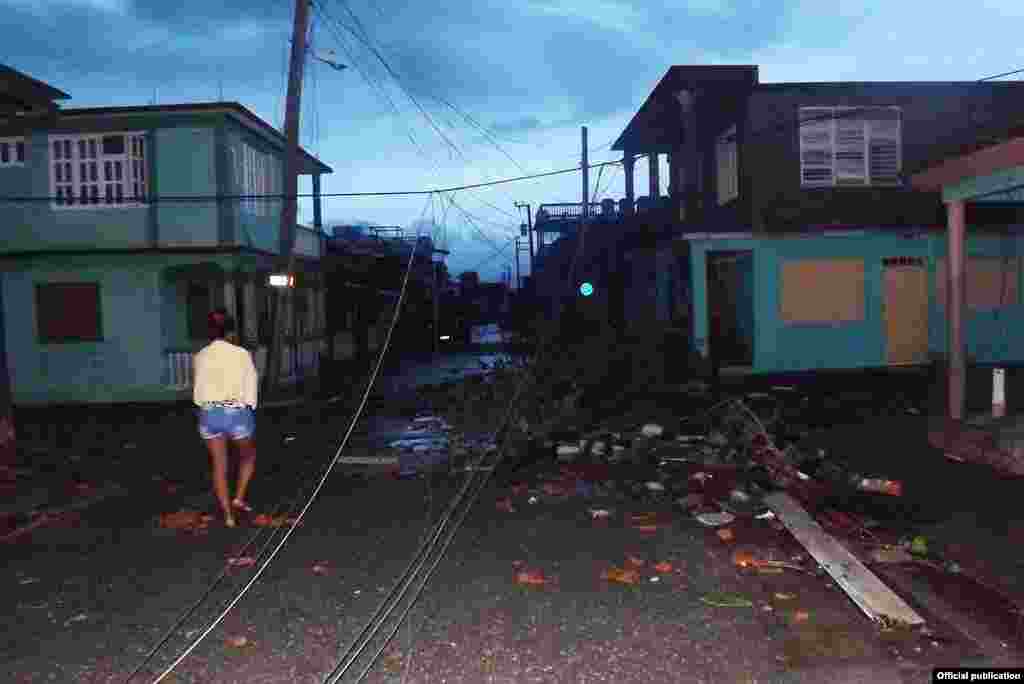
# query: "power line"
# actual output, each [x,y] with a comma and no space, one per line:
[280,196]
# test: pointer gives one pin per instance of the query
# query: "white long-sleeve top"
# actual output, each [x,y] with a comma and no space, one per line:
[224,372]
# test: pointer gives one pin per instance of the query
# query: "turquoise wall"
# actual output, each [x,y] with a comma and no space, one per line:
[745,299]
[185,166]
[990,336]
[127,363]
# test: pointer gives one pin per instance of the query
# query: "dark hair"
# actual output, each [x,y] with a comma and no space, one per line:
[219,324]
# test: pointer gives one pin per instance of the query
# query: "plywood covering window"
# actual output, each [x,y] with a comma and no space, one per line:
[68,312]
[824,292]
[991,282]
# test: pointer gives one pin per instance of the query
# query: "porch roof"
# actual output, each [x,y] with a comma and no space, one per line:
[988,173]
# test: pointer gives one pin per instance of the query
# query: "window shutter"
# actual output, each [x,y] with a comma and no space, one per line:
[816,134]
[851,166]
[884,139]
[728,181]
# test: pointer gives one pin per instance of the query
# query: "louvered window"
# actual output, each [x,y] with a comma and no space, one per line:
[850,146]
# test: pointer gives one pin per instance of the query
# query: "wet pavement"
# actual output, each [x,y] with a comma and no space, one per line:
[92,593]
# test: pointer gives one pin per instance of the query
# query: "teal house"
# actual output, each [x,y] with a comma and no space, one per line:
[123,226]
[842,299]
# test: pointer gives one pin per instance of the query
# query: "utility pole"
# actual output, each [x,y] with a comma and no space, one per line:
[529,230]
[289,205]
[437,303]
[586,180]
[519,281]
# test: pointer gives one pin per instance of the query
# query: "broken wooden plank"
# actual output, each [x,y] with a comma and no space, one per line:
[870,594]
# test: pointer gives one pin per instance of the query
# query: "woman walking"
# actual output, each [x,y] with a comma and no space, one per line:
[225,390]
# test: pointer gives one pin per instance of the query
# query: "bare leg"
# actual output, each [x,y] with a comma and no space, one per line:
[218,448]
[246,466]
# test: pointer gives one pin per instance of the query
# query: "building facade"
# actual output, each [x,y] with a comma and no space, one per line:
[123,227]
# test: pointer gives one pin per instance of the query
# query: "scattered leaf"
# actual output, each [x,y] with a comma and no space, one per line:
[726,534]
[801,616]
[242,562]
[237,641]
[782,596]
[621,575]
[663,567]
[635,562]
[724,600]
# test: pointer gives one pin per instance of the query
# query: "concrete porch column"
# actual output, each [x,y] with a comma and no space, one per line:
[654,177]
[955,307]
[628,166]
[317,214]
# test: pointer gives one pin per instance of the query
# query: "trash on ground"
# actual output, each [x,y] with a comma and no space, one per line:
[242,562]
[531,578]
[725,600]
[783,596]
[28,580]
[532,500]
[655,578]
[866,590]
[567,452]
[880,486]
[599,513]
[320,568]
[701,477]
[801,616]
[652,430]
[289,438]
[621,575]
[767,515]
[715,519]
[505,505]
[739,495]
[77,618]
[635,562]
[726,534]
[663,567]
[655,486]
[237,641]
[890,554]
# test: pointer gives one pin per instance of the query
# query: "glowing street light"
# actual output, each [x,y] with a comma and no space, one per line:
[586,289]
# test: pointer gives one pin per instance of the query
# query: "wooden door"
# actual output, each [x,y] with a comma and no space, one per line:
[906,314]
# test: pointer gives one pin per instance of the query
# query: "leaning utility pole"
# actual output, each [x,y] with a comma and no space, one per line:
[289,205]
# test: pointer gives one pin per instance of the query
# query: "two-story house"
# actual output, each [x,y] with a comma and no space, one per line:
[790,237]
[123,227]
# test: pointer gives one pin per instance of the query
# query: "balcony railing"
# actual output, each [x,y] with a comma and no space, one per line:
[298,360]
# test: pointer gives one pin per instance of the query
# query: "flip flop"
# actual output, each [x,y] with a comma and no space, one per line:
[241,505]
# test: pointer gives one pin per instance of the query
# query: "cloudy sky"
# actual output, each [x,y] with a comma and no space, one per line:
[476,90]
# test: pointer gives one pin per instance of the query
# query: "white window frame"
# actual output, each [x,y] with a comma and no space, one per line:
[257,176]
[9,148]
[839,145]
[727,159]
[79,169]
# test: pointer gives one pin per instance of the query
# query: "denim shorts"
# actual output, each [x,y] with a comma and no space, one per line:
[224,421]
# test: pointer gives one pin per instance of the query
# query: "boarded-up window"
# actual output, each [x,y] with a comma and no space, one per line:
[69,312]
[991,282]
[827,291]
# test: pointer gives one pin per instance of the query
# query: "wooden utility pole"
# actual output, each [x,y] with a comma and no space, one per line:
[586,179]
[289,205]
[519,281]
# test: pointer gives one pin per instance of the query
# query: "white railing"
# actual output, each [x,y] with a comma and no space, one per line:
[297,361]
[178,365]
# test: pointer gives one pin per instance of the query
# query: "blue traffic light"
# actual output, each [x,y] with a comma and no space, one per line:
[586,289]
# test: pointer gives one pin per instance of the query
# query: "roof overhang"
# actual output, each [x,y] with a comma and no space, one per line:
[308,164]
[657,125]
[993,174]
